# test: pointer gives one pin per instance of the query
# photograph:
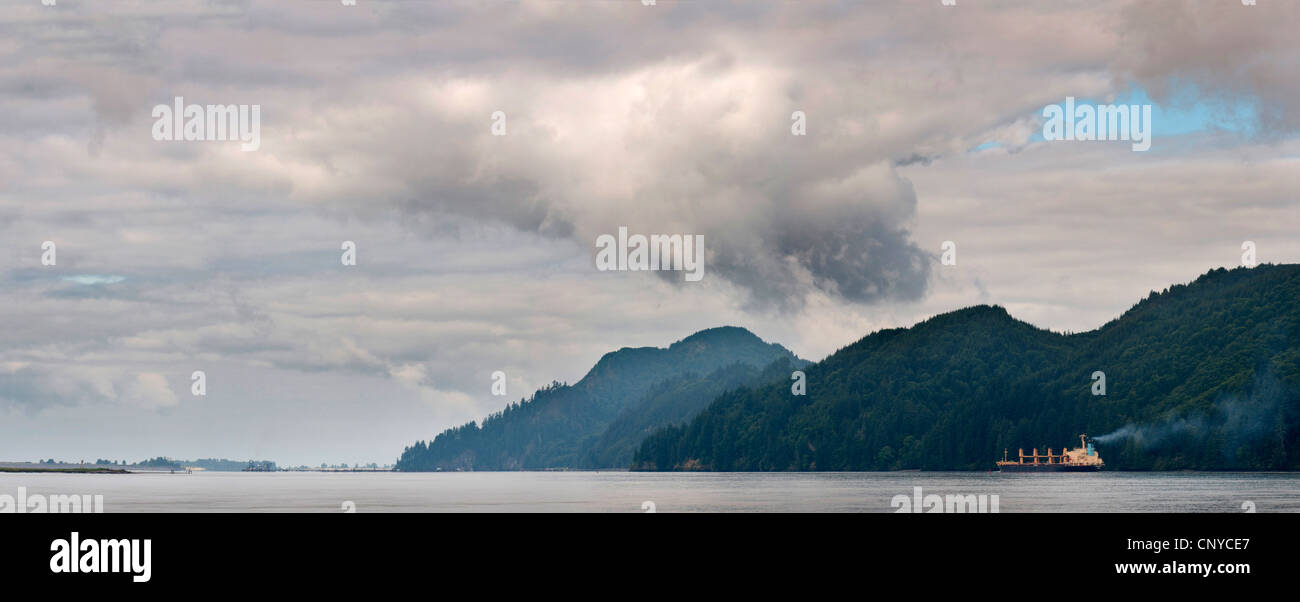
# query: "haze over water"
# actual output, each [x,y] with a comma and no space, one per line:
[670,492]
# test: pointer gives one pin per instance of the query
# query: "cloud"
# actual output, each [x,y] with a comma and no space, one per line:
[33,387]
[148,390]
[1219,52]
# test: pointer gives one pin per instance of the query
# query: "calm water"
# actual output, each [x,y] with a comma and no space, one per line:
[670,492]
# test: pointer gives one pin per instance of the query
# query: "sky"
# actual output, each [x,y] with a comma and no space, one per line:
[922,123]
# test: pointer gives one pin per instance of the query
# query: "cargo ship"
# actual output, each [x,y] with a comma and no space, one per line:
[1080,459]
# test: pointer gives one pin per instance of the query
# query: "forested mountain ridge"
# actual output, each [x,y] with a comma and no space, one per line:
[636,389]
[674,401]
[1198,376]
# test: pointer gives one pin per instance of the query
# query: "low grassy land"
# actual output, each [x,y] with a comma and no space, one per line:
[75,470]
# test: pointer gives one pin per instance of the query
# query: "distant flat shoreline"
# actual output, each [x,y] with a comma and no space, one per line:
[75,470]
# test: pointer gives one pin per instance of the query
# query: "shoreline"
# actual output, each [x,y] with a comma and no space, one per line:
[78,470]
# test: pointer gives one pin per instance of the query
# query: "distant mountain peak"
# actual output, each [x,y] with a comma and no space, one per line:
[966,316]
[732,340]
[982,310]
[721,335]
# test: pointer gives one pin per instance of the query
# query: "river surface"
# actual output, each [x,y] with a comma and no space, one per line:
[664,492]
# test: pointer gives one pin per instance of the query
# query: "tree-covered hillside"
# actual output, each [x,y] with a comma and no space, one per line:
[637,389]
[1199,376]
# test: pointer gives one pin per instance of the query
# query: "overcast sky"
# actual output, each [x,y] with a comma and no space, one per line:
[475,252]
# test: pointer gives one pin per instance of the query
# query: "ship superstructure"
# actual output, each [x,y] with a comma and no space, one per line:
[1080,459]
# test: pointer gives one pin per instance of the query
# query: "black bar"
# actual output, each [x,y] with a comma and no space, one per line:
[325,550]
